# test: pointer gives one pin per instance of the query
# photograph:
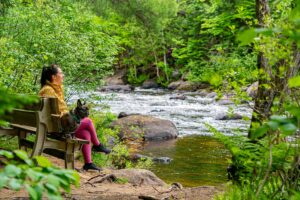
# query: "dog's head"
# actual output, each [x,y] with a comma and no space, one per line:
[81,111]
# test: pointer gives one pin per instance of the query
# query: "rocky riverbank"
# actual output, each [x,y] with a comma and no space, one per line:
[138,184]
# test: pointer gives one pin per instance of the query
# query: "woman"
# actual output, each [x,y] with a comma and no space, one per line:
[51,86]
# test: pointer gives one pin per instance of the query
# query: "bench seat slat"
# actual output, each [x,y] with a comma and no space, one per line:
[8,131]
[24,127]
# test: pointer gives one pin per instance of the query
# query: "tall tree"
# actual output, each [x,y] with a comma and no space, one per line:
[265,95]
[278,61]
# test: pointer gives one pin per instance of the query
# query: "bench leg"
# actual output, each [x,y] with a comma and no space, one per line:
[22,136]
[39,141]
[69,156]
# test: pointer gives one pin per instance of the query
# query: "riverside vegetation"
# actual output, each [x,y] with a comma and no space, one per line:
[228,44]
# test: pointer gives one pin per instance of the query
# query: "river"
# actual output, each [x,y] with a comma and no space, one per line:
[197,158]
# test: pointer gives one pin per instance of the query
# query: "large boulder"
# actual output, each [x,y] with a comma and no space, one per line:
[135,177]
[147,127]
[149,84]
[187,85]
[119,78]
[139,177]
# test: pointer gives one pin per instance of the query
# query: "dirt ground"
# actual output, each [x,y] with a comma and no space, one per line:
[109,190]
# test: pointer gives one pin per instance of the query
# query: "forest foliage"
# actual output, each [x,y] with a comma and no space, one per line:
[228,44]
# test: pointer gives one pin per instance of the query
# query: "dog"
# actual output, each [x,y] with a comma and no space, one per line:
[70,121]
[81,111]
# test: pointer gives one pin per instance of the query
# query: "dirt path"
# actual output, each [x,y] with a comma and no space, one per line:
[109,190]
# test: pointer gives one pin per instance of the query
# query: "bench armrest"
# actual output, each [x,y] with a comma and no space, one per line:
[77,141]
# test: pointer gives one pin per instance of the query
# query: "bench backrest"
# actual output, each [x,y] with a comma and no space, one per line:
[24,117]
[45,111]
[49,115]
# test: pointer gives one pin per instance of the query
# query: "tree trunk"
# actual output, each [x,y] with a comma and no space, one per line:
[265,95]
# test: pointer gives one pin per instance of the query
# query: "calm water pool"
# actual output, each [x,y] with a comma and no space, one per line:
[197,160]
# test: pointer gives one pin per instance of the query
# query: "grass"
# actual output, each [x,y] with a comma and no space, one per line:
[9,143]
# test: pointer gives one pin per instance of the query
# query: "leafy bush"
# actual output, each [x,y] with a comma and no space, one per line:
[9,101]
[269,167]
[37,176]
[120,156]
[44,32]
[135,79]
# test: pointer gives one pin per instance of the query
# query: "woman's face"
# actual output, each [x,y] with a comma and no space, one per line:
[59,77]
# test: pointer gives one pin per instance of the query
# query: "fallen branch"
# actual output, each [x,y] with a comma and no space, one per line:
[96,177]
[108,177]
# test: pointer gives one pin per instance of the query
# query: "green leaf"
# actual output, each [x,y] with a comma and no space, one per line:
[54,196]
[32,192]
[7,154]
[3,180]
[51,188]
[273,125]
[29,162]
[12,170]
[53,180]
[21,154]
[247,36]
[288,128]
[76,179]
[259,132]
[34,175]
[294,110]
[278,118]
[65,185]
[15,184]
[42,161]
[216,80]
[39,190]
[294,82]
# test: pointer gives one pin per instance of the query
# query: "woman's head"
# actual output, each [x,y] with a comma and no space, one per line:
[53,74]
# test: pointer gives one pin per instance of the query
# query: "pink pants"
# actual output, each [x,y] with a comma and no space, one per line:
[86,131]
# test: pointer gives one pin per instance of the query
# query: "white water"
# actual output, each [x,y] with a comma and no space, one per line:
[189,115]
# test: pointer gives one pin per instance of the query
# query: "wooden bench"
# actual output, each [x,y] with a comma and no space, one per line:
[43,120]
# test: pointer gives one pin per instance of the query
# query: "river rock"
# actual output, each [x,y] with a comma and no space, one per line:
[139,177]
[174,85]
[225,102]
[252,89]
[123,114]
[164,160]
[117,79]
[149,84]
[135,157]
[179,97]
[187,85]
[147,127]
[191,86]
[226,116]
[117,88]
[211,95]
[203,92]
[157,110]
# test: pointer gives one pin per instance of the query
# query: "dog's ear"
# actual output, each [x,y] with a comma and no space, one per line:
[79,104]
